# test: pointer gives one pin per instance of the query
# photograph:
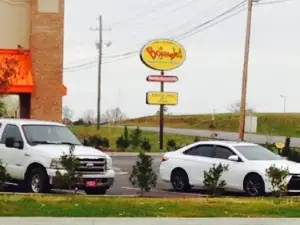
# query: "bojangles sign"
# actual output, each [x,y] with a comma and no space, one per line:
[163,55]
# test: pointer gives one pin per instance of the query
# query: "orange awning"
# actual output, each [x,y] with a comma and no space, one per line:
[16,74]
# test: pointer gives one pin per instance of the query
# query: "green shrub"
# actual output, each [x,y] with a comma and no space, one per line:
[212,179]
[277,177]
[136,138]
[105,143]
[171,145]
[146,145]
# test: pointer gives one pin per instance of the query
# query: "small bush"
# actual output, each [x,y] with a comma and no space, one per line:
[142,175]
[212,179]
[136,138]
[146,145]
[94,140]
[71,164]
[277,177]
[4,176]
[287,148]
[197,139]
[171,145]
[120,143]
[105,143]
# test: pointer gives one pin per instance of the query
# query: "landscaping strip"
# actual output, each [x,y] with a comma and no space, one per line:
[92,206]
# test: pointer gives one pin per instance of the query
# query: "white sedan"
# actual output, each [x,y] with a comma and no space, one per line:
[247,164]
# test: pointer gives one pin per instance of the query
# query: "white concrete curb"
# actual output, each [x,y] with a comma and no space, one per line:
[130,154]
[146,221]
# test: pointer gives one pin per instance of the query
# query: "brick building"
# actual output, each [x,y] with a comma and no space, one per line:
[31,47]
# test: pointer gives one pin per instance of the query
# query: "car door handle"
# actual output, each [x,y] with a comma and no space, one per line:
[26,154]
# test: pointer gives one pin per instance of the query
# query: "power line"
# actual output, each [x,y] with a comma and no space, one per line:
[192,31]
[153,9]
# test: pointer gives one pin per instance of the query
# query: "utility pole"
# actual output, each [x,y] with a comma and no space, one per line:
[99,74]
[245,73]
[99,46]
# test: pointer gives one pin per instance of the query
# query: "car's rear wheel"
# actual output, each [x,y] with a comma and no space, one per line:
[254,185]
[180,181]
[95,191]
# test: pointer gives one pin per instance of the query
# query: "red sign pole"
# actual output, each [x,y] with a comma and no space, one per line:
[161,117]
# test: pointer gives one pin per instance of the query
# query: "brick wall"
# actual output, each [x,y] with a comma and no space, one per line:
[46,46]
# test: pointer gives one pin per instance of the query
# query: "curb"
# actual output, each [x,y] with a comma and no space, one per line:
[134,153]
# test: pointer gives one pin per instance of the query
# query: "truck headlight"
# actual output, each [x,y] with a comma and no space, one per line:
[55,164]
[109,163]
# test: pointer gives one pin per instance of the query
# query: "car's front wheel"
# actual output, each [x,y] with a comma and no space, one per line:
[254,185]
[180,181]
[95,191]
[37,181]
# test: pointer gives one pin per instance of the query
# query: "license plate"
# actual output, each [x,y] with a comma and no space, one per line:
[91,183]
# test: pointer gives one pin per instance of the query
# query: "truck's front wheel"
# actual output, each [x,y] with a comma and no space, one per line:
[95,191]
[37,181]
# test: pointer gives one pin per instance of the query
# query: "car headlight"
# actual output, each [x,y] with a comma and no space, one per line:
[108,163]
[55,164]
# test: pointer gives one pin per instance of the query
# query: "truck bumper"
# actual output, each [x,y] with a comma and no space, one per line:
[101,180]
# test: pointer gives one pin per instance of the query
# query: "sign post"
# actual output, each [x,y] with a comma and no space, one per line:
[162,55]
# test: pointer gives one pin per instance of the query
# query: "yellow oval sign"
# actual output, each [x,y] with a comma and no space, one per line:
[279,145]
[163,55]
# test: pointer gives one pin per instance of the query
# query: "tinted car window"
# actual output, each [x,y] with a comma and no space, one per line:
[11,131]
[201,150]
[223,152]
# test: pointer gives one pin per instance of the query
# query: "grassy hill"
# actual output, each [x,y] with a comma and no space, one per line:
[287,124]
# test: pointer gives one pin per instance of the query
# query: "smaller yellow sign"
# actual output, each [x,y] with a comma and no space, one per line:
[279,145]
[161,98]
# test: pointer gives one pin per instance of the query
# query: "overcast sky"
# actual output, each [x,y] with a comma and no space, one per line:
[211,76]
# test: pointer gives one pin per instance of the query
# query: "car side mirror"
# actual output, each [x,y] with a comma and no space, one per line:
[234,158]
[10,142]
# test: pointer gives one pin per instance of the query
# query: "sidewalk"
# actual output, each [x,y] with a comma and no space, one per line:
[145,221]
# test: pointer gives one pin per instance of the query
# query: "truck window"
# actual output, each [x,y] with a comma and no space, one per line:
[11,131]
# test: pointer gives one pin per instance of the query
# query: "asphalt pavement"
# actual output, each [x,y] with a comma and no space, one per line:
[146,221]
[256,138]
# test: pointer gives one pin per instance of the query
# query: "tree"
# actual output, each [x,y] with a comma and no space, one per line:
[67,113]
[10,105]
[165,110]
[71,164]
[89,116]
[212,179]
[142,175]
[236,107]
[2,109]
[113,115]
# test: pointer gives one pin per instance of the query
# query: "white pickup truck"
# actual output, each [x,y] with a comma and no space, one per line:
[30,150]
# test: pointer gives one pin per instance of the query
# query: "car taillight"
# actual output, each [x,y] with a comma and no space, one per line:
[164,158]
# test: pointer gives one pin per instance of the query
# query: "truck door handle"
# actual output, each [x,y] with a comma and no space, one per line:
[26,154]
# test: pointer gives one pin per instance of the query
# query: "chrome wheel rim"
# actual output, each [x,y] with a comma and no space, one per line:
[36,183]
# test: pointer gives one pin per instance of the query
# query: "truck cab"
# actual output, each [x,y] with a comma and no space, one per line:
[31,150]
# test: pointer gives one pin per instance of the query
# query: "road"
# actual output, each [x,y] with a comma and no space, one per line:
[147,221]
[256,138]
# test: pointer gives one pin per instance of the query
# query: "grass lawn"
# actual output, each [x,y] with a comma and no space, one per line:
[113,133]
[83,206]
[287,124]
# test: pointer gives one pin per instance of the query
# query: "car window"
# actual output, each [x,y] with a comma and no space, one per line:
[223,152]
[201,150]
[11,131]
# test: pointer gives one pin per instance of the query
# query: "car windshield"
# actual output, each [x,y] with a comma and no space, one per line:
[49,134]
[257,152]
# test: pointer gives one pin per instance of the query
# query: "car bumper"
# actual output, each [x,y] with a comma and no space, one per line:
[101,180]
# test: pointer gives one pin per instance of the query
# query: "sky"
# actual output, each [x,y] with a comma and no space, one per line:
[211,77]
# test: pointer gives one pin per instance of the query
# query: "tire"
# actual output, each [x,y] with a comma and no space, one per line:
[254,185]
[95,191]
[180,181]
[37,181]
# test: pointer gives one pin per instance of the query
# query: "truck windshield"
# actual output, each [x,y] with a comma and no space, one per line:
[49,134]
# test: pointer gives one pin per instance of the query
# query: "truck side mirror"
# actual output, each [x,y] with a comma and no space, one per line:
[10,142]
